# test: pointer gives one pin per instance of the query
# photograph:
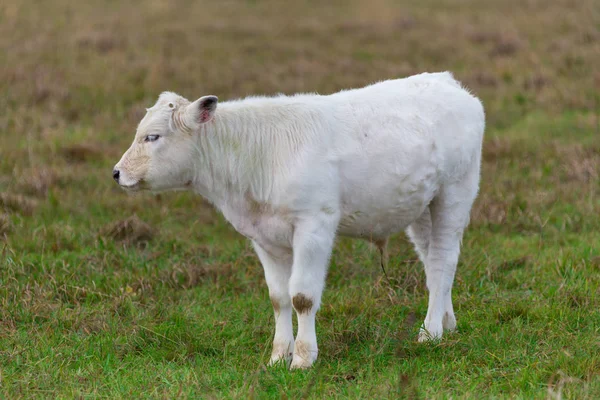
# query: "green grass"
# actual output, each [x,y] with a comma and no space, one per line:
[172,303]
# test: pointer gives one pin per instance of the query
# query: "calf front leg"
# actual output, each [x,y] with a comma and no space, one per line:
[313,241]
[277,275]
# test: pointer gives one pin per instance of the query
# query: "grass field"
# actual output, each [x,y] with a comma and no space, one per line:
[108,295]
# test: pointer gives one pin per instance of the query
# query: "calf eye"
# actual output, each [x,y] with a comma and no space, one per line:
[151,138]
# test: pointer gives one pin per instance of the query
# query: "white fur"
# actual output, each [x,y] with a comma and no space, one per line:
[291,173]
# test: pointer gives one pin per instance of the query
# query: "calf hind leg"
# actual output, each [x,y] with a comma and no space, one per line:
[419,233]
[449,217]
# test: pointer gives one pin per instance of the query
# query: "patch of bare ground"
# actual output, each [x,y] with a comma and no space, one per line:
[81,153]
[37,181]
[190,275]
[490,209]
[482,78]
[579,164]
[478,36]
[130,231]
[91,325]
[100,41]
[497,148]
[18,203]
[505,45]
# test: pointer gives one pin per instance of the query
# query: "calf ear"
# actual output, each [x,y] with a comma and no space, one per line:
[203,109]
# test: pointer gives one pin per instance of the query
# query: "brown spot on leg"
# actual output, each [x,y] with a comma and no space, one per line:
[276,306]
[301,303]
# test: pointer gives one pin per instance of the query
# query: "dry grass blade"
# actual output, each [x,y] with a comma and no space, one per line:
[5,225]
[130,230]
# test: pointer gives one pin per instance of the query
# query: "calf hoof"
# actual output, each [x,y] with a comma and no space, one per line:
[279,360]
[300,364]
[430,335]
[282,353]
[304,355]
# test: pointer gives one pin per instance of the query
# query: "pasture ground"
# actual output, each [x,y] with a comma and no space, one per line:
[107,295]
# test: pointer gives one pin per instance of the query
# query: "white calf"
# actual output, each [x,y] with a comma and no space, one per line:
[292,172]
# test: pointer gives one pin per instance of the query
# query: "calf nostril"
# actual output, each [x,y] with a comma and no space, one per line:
[116,174]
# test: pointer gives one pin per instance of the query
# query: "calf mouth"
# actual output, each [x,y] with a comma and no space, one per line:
[136,187]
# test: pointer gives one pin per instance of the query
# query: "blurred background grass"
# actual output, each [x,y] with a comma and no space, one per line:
[108,295]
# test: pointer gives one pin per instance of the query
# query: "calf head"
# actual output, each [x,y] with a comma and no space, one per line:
[164,150]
